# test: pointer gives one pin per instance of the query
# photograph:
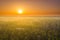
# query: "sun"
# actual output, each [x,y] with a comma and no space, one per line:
[20,11]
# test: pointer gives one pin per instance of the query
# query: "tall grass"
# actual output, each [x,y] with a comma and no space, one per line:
[36,28]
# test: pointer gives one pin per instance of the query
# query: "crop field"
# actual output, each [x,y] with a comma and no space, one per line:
[29,28]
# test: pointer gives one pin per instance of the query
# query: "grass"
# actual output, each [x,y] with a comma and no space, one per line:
[29,28]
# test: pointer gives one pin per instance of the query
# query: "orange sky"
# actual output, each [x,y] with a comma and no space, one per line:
[29,7]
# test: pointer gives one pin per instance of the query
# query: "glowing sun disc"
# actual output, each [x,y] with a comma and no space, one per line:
[20,11]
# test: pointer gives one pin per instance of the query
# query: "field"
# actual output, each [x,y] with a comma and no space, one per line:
[29,28]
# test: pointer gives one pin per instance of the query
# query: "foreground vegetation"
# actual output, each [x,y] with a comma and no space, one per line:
[35,28]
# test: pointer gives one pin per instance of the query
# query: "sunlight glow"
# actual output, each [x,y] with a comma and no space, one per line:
[20,11]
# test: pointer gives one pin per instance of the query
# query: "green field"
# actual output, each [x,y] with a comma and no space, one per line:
[29,28]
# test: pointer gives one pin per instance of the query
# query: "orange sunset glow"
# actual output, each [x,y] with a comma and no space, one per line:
[29,19]
[29,8]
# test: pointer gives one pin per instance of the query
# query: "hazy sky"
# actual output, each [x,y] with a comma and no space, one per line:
[30,7]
